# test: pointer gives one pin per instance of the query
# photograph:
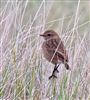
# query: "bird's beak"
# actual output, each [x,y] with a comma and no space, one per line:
[42,35]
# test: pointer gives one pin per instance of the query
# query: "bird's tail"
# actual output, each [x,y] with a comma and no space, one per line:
[67,66]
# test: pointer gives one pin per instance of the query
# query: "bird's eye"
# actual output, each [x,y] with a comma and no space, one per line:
[49,34]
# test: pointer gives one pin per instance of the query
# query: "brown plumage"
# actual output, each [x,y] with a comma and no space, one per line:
[54,50]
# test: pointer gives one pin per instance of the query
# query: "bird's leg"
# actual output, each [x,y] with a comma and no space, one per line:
[53,73]
[56,68]
[53,76]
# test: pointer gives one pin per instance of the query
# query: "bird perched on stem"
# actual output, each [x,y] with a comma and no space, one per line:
[54,50]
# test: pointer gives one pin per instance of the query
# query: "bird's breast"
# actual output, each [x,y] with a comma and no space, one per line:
[49,53]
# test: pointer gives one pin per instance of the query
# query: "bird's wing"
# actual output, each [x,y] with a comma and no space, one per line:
[57,47]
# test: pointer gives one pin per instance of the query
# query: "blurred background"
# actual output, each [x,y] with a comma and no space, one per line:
[23,70]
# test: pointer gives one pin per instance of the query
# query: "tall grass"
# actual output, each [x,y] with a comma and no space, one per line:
[23,70]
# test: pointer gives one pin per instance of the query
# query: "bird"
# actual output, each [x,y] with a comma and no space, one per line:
[54,50]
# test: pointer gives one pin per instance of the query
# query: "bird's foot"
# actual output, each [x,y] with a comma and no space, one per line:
[52,76]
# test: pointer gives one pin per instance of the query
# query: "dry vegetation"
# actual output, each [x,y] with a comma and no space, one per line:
[23,70]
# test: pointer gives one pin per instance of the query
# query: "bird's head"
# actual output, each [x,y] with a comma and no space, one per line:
[49,34]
